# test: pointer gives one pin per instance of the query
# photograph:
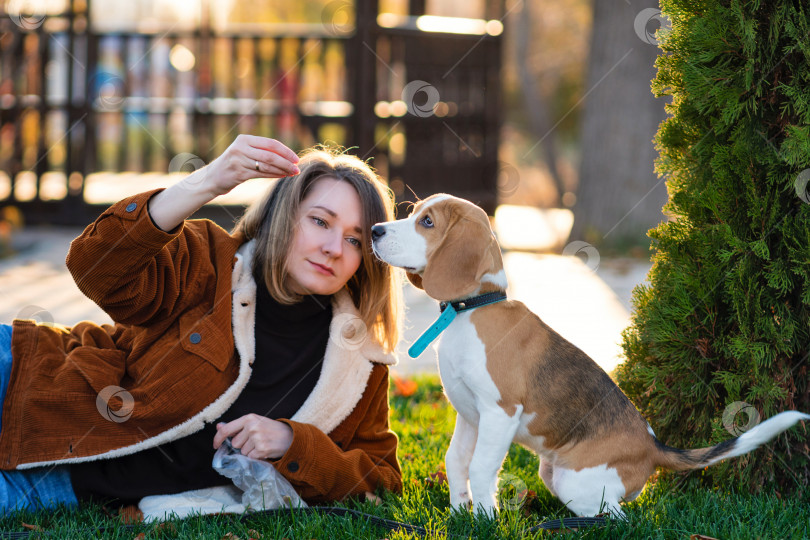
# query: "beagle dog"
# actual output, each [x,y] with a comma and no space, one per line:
[510,377]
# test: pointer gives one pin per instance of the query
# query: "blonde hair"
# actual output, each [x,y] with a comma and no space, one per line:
[271,220]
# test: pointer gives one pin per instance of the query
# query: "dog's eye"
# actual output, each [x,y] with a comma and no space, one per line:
[426,222]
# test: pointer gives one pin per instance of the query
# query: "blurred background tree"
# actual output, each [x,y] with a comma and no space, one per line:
[619,196]
[580,115]
[545,54]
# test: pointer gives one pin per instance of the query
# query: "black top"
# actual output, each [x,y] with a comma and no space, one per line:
[290,346]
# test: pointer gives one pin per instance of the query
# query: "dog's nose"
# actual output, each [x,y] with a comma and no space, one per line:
[377,231]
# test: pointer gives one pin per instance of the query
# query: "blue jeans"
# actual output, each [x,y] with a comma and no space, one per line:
[40,487]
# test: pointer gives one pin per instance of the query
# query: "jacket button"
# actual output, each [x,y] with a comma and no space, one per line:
[195,338]
[292,466]
[132,206]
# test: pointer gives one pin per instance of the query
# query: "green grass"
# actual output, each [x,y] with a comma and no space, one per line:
[424,423]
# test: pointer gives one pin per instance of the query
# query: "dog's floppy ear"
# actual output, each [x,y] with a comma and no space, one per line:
[415,279]
[465,254]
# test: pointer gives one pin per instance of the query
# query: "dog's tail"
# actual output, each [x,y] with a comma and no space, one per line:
[683,460]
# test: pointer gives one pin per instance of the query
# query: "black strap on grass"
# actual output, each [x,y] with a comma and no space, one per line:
[555,524]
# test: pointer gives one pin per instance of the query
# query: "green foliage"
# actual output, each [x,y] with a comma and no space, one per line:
[726,316]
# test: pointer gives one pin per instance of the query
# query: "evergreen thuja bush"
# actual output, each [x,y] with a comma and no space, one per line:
[726,316]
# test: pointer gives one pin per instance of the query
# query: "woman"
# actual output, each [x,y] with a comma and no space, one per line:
[277,335]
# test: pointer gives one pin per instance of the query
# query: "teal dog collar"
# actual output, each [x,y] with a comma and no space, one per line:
[449,310]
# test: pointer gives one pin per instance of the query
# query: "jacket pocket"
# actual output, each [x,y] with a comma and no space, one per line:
[201,335]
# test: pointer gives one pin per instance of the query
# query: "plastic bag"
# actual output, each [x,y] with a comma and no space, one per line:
[255,482]
[263,487]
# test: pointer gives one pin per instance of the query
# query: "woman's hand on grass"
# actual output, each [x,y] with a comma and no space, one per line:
[256,436]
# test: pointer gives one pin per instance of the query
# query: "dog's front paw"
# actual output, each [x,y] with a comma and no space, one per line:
[488,510]
[460,500]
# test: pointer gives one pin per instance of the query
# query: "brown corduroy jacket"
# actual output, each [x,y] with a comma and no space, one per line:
[178,356]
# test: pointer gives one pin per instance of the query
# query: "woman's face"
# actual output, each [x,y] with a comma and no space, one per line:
[327,245]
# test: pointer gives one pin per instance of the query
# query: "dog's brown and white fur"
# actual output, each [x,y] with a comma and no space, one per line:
[512,378]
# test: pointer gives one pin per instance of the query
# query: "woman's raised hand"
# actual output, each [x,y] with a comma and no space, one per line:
[249,156]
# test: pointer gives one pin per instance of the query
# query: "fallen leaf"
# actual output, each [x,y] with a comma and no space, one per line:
[166,526]
[404,387]
[254,534]
[130,514]
[436,478]
[529,498]
[31,527]
[230,536]
[139,536]
[701,537]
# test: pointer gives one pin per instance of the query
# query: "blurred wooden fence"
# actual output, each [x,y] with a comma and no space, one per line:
[419,95]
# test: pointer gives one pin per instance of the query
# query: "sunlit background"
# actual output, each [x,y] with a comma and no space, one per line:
[270,62]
